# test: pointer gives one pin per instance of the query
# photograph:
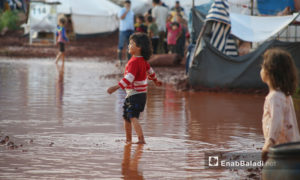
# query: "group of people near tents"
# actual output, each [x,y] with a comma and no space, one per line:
[14,5]
[167,28]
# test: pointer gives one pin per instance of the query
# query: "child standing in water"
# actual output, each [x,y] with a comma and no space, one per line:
[279,118]
[61,39]
[135,83]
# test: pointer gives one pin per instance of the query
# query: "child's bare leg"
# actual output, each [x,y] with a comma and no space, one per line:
[138,130]
[57,57]
[128,130]
[63,57]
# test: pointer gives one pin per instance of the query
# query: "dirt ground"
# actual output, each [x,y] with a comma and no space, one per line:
[14,44]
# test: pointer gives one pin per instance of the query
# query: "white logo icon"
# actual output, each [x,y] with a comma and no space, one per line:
[213,161]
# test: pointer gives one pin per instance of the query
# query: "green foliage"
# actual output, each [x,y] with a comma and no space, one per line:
[297,93]
[9,19]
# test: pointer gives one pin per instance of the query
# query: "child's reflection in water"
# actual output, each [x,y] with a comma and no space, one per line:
[60,91]
[130,164]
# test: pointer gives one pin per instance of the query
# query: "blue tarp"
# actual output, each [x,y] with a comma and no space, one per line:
[271,7]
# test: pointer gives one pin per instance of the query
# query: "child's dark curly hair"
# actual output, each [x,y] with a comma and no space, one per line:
[62,21]
[281,70]
[142,41]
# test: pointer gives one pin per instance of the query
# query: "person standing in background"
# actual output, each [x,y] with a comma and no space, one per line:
[140,24]
[174,32]
[153,33]
[177,9]
[126,16]
[160,14]
[180,46]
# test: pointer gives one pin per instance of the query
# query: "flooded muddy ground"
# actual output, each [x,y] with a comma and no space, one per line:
[64,125]
[15,44]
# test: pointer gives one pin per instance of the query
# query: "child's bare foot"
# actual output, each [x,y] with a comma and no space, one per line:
[140,142]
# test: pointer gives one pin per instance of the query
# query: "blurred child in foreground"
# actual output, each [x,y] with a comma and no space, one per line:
[279,119]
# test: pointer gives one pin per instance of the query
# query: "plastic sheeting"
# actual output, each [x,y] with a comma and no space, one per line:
[271,7]
[196,20]
[247,28]
[212,69]
[258,28]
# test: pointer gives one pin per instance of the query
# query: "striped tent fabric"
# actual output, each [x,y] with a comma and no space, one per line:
[231,47]
[221,37]
[219,11]
[220,32]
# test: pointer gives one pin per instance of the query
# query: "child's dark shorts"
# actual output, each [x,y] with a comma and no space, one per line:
[134,105]
[61,47]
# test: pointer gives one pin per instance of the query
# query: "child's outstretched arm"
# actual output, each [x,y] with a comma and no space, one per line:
[157,82]
[152,76]
[125,81]
[112,89]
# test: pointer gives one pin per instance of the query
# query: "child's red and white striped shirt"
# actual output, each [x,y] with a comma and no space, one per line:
[135,76]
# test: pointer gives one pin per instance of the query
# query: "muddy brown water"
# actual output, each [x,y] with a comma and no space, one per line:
[70,128]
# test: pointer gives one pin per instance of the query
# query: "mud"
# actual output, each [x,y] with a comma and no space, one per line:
[14,44]
[70,127]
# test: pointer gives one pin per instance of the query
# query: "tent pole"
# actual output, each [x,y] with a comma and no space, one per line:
[252,4]
[200,37]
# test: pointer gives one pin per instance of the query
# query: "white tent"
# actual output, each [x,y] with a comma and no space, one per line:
[65,7]
[140,6]
[186,4]
[91,16]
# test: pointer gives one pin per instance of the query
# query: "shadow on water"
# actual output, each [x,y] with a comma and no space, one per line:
[71,128]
